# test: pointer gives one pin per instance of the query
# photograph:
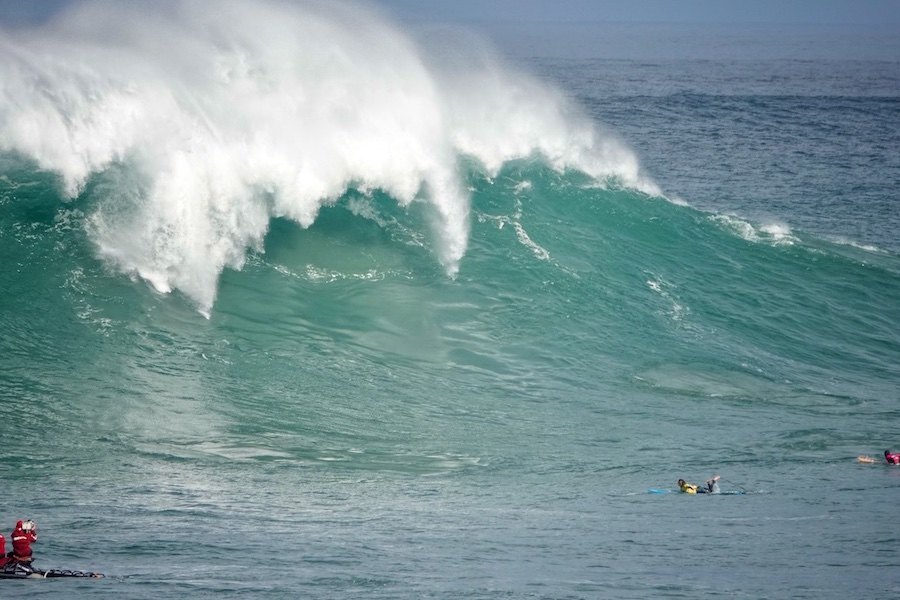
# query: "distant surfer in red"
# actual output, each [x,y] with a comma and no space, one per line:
[892,458]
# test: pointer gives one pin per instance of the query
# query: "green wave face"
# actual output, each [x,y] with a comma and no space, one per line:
[571,294]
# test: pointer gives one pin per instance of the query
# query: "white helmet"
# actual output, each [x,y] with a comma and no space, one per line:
[28,525]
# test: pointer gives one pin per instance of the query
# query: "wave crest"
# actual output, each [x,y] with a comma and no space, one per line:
[222,115]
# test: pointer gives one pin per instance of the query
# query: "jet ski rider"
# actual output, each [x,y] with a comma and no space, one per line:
[23,536]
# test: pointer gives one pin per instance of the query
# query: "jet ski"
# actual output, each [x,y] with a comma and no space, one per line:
[17,570]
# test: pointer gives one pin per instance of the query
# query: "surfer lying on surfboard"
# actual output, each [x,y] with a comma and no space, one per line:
[891,458]
[712,486]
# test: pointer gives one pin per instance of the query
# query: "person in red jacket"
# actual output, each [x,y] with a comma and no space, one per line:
[23,536]
[3,558]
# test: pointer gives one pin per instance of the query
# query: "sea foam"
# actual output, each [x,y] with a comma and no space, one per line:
[207,119]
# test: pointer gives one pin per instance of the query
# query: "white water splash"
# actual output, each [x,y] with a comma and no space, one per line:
[777,234]
[208,119]
[676,311]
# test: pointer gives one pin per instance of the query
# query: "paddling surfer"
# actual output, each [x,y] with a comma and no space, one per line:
[711,486]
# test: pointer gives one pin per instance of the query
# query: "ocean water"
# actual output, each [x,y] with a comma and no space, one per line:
[296,301]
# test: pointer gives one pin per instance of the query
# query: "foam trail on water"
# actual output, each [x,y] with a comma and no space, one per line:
[207,119]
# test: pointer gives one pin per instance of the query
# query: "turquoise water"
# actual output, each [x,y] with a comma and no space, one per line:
[448,378]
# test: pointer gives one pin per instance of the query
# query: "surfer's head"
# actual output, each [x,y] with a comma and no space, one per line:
[680,482]
[886,452]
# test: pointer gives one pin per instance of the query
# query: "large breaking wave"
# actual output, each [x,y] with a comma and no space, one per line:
[204,120]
